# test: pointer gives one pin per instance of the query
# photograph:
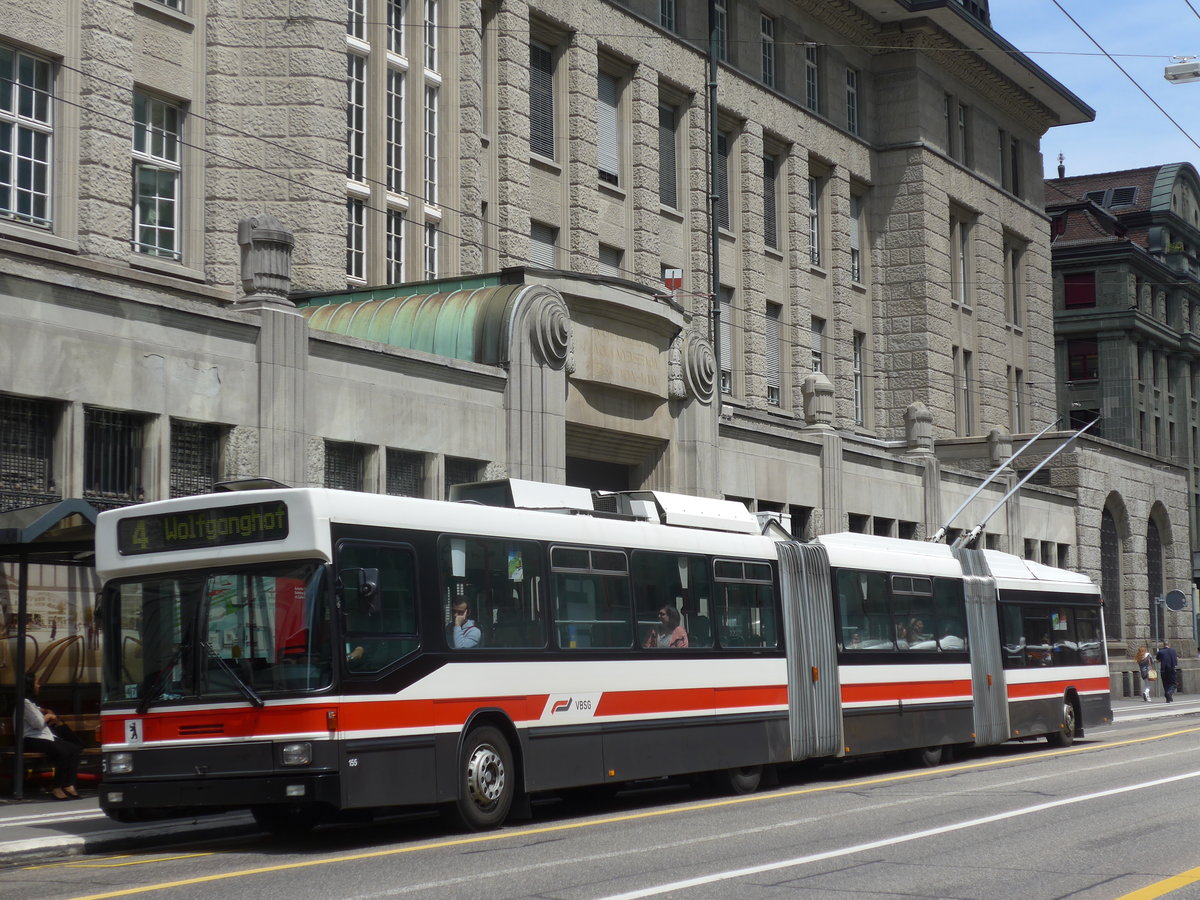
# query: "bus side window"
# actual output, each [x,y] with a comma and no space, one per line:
[591,594]
[675,580]
[745,604]
[949,614]
[1012,637]
[380,632]
[497,579]
[862,604]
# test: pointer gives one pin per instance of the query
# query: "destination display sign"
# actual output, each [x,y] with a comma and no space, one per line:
[195,529]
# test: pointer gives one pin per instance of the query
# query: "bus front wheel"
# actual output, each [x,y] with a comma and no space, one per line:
[486,779]
[742,780]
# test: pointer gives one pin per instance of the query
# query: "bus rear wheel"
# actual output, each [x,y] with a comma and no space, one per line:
[1065,736]
[486,780]
[742,780]
[928,757]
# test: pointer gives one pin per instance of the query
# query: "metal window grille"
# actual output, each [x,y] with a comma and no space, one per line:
[112,458]
[460,471]
[26,453]
[344,466]
[195,457]
[405,473]
[26,129]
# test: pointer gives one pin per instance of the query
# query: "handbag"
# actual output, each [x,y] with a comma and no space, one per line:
[1153,676]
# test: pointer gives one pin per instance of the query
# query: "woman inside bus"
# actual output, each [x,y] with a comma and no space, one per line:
[44,733]
[668,633]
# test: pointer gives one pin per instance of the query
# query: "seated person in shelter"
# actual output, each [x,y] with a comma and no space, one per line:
[462,633]
[42,732]
[668,633]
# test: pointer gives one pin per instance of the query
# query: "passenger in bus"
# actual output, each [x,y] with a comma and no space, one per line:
[668,633]
[462,633]
[901,637]
[918,638]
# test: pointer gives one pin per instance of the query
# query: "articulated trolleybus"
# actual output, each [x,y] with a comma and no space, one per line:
[307,653]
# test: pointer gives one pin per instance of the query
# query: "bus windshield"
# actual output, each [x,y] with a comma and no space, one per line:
[217,634]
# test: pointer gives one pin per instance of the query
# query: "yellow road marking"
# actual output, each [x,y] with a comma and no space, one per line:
[493,836]
[115,862]
[1166,886]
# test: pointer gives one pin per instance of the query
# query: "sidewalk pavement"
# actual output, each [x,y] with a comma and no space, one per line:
[40,826]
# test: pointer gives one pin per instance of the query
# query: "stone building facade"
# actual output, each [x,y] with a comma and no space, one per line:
[482,199]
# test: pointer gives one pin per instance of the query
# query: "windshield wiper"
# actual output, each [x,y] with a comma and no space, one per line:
[246,690]
[154,690]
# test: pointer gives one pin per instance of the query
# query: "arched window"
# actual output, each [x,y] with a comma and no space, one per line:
[1154,581]
[1110,575]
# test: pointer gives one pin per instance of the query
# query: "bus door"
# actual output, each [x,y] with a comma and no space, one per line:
[988,685]
[814,689]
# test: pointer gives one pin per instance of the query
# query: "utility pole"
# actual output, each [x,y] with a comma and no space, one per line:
[714,197]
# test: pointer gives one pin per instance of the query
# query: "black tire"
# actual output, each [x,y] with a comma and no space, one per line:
[288,820]
[742,780]
[927,757]
[486,780]
[1065,736]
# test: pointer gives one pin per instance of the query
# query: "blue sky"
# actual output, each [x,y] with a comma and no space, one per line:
[1129,132]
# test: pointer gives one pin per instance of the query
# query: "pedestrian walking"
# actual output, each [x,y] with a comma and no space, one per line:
[1168,662]
[1145,663]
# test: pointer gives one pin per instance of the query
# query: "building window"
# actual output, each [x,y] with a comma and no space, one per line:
[543,246]
[195,458]
[395,246]
[666,15]
[26,129]
[724,146]
[1079,290]
[541,100]
[668,170]
[405,473]
[611,261]
[608,136]
[431,250]
[395,131]
[156,168]
[852,101]
[725,339]
[460,471]
[1014,166]
[26,452]
[1015,278]
[356,118]
[963,129]
[961,263]
[345,465]
[397,12]
[774,339]
[356,19]
[814,221]
[112,457]
[356,239]
[818,344]
[1083,360]
[860,393]
[770,202]
[856,239]
[768,50]
[431,145]
[1110,575]
[721,27]
[431,35]
[812,78]
[1016,415]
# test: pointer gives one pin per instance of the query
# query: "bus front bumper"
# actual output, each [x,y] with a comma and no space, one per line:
[213,794]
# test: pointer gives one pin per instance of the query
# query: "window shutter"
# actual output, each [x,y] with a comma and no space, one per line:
[668,177]
[774,355]
[722,185]
[726,340]
[542,239]
[770,215]
[541,100]
[608,159]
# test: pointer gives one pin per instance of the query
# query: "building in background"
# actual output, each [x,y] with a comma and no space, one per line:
[393,245]
[1126,305]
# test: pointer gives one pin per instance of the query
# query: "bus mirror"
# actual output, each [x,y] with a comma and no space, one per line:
[359,589]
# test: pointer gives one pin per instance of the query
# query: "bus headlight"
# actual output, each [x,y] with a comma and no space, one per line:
[298,754]
[118,763]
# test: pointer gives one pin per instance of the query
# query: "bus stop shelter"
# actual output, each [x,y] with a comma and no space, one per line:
[61,533]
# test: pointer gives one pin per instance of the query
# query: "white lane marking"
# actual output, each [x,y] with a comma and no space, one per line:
[889,842]
[50,818]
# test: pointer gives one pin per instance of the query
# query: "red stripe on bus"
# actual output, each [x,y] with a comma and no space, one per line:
[1042,688]
[904,690]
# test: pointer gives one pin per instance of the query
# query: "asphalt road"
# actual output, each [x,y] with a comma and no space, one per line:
[1111,816]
